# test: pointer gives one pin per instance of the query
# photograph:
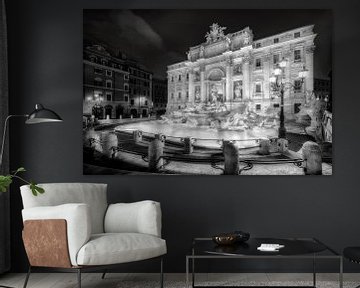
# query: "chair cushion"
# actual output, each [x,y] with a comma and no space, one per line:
[137,217]
[56,194]
[352,253]
[114,248]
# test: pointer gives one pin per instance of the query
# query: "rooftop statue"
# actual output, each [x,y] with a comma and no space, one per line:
[216,33]
[247,38]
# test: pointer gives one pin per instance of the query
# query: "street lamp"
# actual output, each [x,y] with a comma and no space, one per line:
[278,84]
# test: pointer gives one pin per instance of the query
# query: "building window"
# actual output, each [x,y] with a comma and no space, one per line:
[258,63]
[258,88]
[108,84]
[132,101]
[108,73]
[172,78]
[172,95]
[297,86]
[126,87]
[98,82]
[297,55]
[126,98]
[126,77]
[103,62]
[98,71]
[297,108]
[146,102]
[187,76]
[179,95]
[98,96]
[296,34]
[276,105]
[187,94]
[108,97]
[258,107]
[179,77]
[276,58]
[93,58]
[276,40]
[257,45]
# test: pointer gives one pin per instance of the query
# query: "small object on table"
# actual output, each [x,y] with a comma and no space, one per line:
[242,236]
[270,247]
[224,239]
[231,238]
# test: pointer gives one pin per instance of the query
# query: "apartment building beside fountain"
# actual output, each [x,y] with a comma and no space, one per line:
[115,86]
[234,69]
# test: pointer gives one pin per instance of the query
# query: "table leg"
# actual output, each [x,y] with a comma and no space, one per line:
[314,271]
[193,272]
[341,273]
[187,272]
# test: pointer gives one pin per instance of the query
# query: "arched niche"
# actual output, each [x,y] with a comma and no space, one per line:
[216,74]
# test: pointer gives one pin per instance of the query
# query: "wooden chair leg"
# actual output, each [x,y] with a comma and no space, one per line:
[27,277]
[79,277]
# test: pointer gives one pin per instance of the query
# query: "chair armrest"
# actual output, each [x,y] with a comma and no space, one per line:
[138,217]
[78,223]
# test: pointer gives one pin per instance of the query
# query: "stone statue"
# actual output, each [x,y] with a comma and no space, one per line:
[202,52]
[246,38]
[188,55]
[197,94]
[228,42]
[237,91]
[216,33]
[213,94]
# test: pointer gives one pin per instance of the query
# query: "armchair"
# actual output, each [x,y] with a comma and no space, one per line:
[71,228]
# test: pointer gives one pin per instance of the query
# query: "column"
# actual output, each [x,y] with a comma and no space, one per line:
[288,56]
[229,90]
[207,91]
[202,84]
[191,86]
[288,101]
[246,78]
[267,61]
[309,64]
[224,90]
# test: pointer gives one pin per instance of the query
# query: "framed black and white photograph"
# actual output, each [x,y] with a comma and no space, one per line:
[207,92]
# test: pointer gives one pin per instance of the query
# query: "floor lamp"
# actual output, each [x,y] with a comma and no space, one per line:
[39,115]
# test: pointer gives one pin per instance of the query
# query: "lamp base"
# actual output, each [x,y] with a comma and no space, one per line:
[282,132]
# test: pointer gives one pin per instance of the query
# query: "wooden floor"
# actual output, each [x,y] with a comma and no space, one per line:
[116,280]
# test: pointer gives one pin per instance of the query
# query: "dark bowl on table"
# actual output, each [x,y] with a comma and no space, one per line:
[225,239]
[231,238]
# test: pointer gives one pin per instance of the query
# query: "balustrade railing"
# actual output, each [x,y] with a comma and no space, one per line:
[229,152]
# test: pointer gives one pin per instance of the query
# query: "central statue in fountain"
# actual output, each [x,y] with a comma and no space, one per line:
[216,115]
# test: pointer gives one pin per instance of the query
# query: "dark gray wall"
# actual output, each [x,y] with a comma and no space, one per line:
[45,50]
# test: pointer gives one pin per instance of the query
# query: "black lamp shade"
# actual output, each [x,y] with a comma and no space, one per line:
[42,115]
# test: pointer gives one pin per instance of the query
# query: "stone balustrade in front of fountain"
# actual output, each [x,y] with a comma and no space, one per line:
[109,145]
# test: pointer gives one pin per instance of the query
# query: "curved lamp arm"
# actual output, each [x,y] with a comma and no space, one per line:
[4,134]
[39,115]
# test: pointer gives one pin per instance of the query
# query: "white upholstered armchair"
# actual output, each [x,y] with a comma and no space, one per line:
[71,227]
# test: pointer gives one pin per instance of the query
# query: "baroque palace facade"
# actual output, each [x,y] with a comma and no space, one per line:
[235,69]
